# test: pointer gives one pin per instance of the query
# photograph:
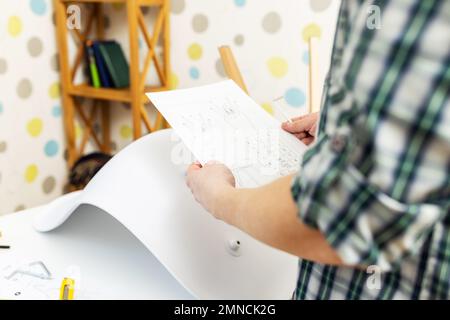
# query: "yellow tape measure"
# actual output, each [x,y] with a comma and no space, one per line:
[67,289]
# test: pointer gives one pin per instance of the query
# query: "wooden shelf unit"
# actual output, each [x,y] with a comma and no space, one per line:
[134,95]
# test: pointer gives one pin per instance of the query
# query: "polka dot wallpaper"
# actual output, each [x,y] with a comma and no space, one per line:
[268,38]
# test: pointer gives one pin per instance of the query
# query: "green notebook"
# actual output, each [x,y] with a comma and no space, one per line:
[116,63]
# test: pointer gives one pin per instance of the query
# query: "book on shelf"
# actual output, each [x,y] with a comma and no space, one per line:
[93,71]
[107,64]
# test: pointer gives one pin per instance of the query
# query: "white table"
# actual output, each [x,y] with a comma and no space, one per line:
[113,263]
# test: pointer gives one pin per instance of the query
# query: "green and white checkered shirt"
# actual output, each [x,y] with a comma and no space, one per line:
[376,182]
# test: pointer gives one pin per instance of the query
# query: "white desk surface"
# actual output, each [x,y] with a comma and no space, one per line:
[113,263]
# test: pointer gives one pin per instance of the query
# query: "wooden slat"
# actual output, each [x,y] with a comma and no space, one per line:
[152,52]
[159,121]
[314,89]
[146,119]
[88,130]
[147,63]
[89,122]
[136,94]
[166,43]
[87,91]
[231,67]
[139,2]
[67,100]
[106,126]
[166,50]
[122,95]
[82,39]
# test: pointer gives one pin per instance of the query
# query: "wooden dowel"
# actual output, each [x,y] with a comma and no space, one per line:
[89,128]
[152,52]
[314,92]
[146,119]
[166,43]
[67,100]
[231,67]
[136,94]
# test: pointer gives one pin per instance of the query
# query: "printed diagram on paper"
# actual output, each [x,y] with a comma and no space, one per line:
[220,122]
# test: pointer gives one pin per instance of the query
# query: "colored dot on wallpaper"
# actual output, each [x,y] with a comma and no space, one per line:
[34,127]
[311,30]
[177,6]
[319,5]
[194,73]
[125,131]
[306,57]
[48,185]
[200,23]
[51,148]
[220,68]
[3,66]
[38,6]
[3,146]
[239,3]
[31,172]
[24,88]
[278,66]
[195,51]
[295,97]
[20,207]
[14,26]
[78,130]
[271,22]
[34,46]
[53,91]
[54,62]
[56,111]
[1,108]
[239,40]
[268,107]
[173,81]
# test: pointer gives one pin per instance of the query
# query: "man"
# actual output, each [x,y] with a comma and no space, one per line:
[372,198]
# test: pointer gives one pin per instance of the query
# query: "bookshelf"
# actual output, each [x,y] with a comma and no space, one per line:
[134,95]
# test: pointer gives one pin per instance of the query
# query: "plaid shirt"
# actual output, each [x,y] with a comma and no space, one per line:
[376,183]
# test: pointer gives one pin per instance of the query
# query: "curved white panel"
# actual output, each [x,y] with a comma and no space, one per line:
[143,189]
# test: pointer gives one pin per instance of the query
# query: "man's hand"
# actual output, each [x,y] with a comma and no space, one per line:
[210,185]
[304,127]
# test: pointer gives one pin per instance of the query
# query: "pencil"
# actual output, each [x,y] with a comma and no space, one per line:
[5,247]
[277,106]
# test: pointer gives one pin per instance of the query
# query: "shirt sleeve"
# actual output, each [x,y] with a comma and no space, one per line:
[365,225]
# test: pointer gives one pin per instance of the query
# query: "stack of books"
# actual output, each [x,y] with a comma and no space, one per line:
[106,64]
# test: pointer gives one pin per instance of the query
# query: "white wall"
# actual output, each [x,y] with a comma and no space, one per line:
[266,36]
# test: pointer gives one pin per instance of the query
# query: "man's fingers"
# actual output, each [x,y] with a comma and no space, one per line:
[313,129]
[308,140]
[298,126]
[301,135]
[193,167]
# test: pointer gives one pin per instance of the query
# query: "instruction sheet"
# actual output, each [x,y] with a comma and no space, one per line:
[221,122]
